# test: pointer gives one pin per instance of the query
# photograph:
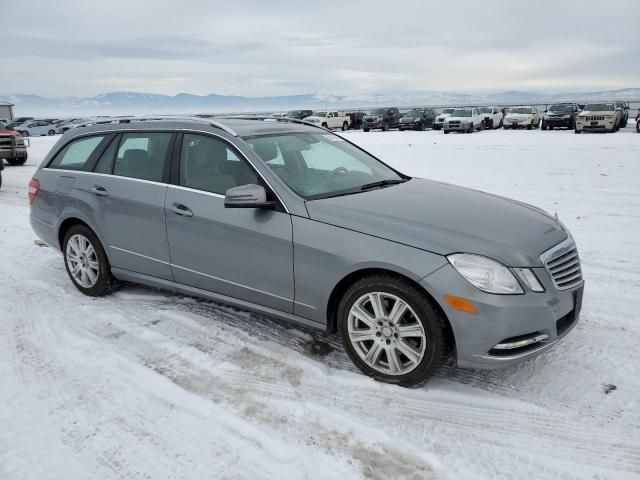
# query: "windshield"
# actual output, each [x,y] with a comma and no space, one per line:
[461,112]
[295,114]
[317,165]
[448,110]
[414,113]
[561,108]
[520,110]
[599,107]
[379,111]
[485,110]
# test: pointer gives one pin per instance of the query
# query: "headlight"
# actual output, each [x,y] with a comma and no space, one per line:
[380,119]
[485,274]
[566,116]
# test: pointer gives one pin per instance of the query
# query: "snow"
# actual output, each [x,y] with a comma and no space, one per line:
[145,384]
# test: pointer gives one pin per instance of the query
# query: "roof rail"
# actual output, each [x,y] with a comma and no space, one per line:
[159,118]
[275,119]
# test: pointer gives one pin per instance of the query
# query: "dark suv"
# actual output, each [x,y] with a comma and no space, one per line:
[624,112]
[299,114]
[382,118]
[561,115]
[417,119]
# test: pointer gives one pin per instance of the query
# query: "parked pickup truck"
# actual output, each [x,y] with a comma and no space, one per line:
[329,120]
[382,118]
[13,147]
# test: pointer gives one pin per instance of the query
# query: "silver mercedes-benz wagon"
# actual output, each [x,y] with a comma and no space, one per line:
[293,221]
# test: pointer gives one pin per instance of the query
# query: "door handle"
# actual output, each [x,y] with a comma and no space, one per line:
[100,191]
[180,209]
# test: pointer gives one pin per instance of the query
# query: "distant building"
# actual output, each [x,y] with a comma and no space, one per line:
[6,110]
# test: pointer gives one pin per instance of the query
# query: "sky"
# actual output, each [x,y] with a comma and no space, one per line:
[277,47]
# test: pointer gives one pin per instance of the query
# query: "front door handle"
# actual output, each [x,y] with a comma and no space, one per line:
[180,209]
[100,191]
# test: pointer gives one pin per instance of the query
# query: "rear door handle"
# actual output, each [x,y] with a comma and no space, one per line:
[180,209]
[100,191]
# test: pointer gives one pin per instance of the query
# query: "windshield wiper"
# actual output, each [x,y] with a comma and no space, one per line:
[381,183]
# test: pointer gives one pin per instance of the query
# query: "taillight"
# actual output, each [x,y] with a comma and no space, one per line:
[34,188]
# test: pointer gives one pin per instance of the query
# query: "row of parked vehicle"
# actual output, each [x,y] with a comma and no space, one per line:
[603,116]
[38,127]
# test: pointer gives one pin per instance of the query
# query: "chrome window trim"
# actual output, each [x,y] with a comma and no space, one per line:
[195,190]
[159,129]
[108,175]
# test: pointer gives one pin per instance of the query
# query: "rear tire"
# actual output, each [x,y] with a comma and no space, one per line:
[365,129]
[51,133]
[471,128]
[14,162]
[544,126]
[324,125]
[405,350]
[345,126]
[577,131]
[446,131]
[83,251]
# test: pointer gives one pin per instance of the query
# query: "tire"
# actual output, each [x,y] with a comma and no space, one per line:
[436,127]
[422,127]
[51,133]
[471,128]
[446,131]
[481,126]
[385,127]
[345,126]
[417,357]
[24,133]
[324,125]
[550,128]
[577,131]
[365,129]
[530,126]
[74,241]
[14,162]
[0,177]
[501,124]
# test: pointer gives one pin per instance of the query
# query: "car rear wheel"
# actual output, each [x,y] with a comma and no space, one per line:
[446,131]
[345,126]
[86,262]
[14,162]
[471,128]
[391,331]
[365,129]
[51,133]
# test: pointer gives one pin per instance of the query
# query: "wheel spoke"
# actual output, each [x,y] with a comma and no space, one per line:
[376,305]
[408,351]
[362,335]
[398,310]
[413,330]
[373,354]
[93,276]
[93,264]
[75,269]
[363,316]
[83,277]
[392,359]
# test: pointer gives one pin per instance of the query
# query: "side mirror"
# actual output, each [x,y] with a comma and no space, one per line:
[247,196]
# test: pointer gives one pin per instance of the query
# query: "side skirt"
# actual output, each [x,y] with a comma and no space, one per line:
[134,277]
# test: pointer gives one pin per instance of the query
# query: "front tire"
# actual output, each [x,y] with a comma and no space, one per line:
[446,131]
[51,133]
[391,331]
[86,262]
[365,129]
[345,126]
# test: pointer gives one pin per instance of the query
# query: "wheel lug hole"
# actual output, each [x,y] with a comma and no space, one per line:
[378,334]
[380,323]
[395,335]
[388,341]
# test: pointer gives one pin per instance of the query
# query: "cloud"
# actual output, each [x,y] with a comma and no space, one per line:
[279,47]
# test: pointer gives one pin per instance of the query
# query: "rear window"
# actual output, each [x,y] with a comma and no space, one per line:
[77,153]
[142,155]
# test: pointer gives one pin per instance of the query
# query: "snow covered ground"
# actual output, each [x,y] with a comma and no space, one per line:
[144,384]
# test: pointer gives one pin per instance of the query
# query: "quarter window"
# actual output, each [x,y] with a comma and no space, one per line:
[142,155]
[208,164]
[77,153]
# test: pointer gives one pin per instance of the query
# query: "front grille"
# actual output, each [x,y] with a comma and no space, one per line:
[564,267]
[454,123]
[563,324]
[595,117]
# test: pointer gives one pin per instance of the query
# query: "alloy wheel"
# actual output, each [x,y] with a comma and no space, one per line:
[82,261]
[386,333]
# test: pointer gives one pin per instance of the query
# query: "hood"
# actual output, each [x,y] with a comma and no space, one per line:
[313,117]
[585,113]
[442,116]
[4,131]
[445,219]
[462,119]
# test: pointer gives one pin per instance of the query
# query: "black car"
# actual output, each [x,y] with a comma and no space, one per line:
[417,119]
[562,115]
[624,112]
[299,114]
[382,118]
[355,119]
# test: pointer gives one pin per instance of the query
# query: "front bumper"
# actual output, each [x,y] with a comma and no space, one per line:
[371,124]
[456,127]
[505,319]
[558,122]
[516,123]
[595,126]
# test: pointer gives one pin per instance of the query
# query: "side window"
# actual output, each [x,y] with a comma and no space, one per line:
[208,164]
[142,155]
[76,154]
[105,164]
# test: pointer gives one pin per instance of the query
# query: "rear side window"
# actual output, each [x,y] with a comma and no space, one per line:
[142,155]
[77,153]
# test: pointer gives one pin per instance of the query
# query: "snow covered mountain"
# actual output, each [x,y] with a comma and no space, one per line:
[141,103]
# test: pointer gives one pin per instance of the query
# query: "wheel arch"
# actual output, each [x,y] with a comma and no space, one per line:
[341,287]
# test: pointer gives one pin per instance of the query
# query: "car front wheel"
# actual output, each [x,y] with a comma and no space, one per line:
[391,331]
[14,162]
[86,262]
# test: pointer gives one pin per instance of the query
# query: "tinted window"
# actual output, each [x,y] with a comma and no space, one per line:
[209,164]
[105,164]
[142,155]
[76,154]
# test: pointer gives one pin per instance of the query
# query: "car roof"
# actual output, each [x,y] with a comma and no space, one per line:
[240,127]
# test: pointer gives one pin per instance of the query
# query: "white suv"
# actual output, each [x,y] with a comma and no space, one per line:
[598,117]
[464,120]
[525,116]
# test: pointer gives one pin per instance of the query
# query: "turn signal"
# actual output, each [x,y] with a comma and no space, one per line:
[34,188]
[461,304]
